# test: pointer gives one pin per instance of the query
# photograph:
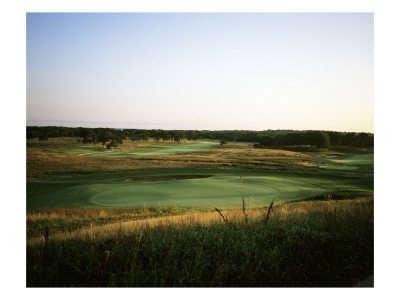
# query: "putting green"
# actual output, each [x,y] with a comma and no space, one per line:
[222,189]
[154,150]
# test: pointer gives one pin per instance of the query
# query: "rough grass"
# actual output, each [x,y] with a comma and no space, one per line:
[55,157]
[326,243]
[50,221]
[130,148]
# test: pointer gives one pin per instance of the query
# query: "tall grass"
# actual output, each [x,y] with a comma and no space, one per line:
[68,219]
[327,243]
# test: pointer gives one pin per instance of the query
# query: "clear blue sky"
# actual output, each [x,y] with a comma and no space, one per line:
[201,70]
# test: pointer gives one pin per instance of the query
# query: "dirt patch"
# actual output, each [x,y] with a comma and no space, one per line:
[167,178]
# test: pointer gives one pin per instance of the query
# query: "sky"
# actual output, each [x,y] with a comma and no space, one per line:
[214,71]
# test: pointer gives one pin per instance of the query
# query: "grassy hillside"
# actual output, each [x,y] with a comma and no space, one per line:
[327,243]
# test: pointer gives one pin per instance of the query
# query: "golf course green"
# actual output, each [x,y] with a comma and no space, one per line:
[201,189]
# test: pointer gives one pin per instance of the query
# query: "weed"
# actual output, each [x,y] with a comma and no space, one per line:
[222,216]
[244,211]
[269,212]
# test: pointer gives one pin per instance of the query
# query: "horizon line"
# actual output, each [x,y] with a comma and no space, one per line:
[151,126]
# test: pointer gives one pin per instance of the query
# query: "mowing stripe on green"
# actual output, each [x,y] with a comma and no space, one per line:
[223,189]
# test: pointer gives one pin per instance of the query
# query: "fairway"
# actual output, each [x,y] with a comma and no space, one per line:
[213,188]
[150,151]
[350,162]
[355,159]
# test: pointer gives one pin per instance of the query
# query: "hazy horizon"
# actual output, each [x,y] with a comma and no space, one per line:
[83,124]
[205,71]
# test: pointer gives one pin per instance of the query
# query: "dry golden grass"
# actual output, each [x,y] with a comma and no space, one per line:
[39,165]
[74,214]
[129,145]
[47,158]
[301,213]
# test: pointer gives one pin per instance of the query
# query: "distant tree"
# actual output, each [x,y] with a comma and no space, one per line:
[324,141]
[349,139]
[362,140]
[32,133]
[266,141]
[118,139]
[112,144]
[142,136]
[87,135]
[335,138]
[177,136]
[43,136]
[190,135]
[94,139]
[320,139]
[105,137]
[166,136]
[156,135]
[265,138]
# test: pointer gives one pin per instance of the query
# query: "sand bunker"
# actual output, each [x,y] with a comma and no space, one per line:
[166,178]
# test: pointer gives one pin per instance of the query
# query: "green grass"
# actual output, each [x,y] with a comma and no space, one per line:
[350,162]
[317,244]
[223,189]
[151,151]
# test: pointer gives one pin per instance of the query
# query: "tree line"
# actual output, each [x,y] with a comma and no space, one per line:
[111,137]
